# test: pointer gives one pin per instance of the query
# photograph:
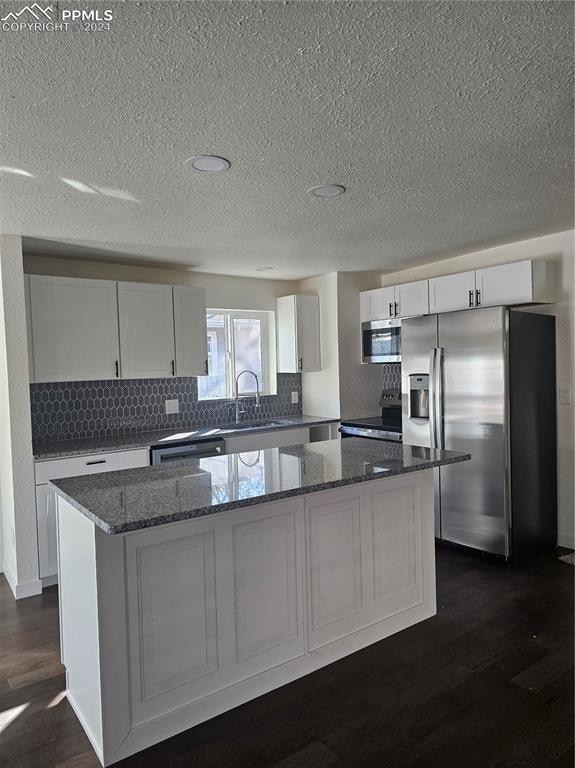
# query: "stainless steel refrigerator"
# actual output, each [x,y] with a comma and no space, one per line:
[483,381]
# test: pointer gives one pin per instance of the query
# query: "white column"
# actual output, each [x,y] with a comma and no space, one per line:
[17,492]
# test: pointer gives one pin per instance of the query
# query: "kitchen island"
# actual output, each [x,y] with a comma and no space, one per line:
[188,590]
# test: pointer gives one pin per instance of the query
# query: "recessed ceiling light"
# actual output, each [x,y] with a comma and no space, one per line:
[327,190]
[208,163]
[264,269]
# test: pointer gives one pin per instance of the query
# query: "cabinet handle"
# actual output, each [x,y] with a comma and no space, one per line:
[477,298]
[207,371]
[98,461]
[117,369]
[300,364]
[470,298]
[390,309]
[173,368]
[396,310]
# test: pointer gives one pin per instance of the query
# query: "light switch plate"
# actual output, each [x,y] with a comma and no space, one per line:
[564,396]
[295,397]
[173,406]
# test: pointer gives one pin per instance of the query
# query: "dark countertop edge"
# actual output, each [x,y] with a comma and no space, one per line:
[131,442]
[229,506]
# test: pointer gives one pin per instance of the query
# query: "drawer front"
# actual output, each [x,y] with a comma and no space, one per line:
[90,464]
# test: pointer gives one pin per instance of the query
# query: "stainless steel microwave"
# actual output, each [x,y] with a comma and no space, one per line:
[381,341]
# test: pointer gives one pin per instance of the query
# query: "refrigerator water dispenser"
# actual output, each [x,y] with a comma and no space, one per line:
[419,396]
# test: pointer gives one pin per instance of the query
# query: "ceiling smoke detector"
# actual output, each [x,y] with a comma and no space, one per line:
[208,163]
[327,190]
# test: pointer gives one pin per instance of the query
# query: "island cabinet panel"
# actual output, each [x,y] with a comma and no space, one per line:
[184,569]
[394,526]
[334,566]
[265,561]
[166,627]
[365,556]
[212,607]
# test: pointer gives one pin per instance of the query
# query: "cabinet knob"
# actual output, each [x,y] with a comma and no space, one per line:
[470,298]
[173,367]
[396,308]
[300,364]
[117,368]
[207,370]
[390,309]
[477,298]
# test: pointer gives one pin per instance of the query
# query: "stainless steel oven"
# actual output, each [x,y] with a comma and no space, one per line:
[381,341]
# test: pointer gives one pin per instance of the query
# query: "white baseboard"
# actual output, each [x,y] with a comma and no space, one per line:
[24,588]
[565,540]
[49,581]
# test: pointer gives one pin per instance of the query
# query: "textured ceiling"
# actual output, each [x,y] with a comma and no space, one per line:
[449,123]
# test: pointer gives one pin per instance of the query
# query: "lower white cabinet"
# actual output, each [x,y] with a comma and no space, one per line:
[272,439]
[47,530]
[51,469]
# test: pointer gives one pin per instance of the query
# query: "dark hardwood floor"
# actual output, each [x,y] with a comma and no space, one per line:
[487,683]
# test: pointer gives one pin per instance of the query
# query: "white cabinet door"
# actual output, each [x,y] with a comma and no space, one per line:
[47,526]
[308,333]
[452,292]
[378,304]
[412,299]
[298,334]
[146,319]
[272,439]
[521,282]
[191,331]
[74,328]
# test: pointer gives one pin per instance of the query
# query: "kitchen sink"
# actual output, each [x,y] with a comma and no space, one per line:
[245,425]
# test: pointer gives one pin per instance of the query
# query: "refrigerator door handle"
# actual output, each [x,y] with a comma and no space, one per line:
[432,399]
[438,398]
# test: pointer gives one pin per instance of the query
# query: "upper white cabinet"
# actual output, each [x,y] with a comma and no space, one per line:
[446,294]
[146,322]
[405,300]
[74,329]
[298,334]
[377,304]
[191,332]
[521,282]
[412,299]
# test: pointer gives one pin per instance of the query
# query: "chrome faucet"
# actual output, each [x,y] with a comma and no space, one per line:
[238,411]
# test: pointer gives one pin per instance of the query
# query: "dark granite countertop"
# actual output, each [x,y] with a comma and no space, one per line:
[59,449]
[132,499]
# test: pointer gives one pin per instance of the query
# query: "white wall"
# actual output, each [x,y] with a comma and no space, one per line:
[321,388]
[17,493]
[558,247]
[344,388]
[222,292]
[359,385]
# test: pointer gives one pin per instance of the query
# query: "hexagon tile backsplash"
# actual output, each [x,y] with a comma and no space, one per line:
[69,410]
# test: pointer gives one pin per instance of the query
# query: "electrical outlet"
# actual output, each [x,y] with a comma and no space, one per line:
[564,396]
[295,397]
[173,406]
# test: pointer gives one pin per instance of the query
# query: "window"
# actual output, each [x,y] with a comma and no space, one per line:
[237,341]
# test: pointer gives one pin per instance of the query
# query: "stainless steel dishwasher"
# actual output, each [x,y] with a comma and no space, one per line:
[200,449]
